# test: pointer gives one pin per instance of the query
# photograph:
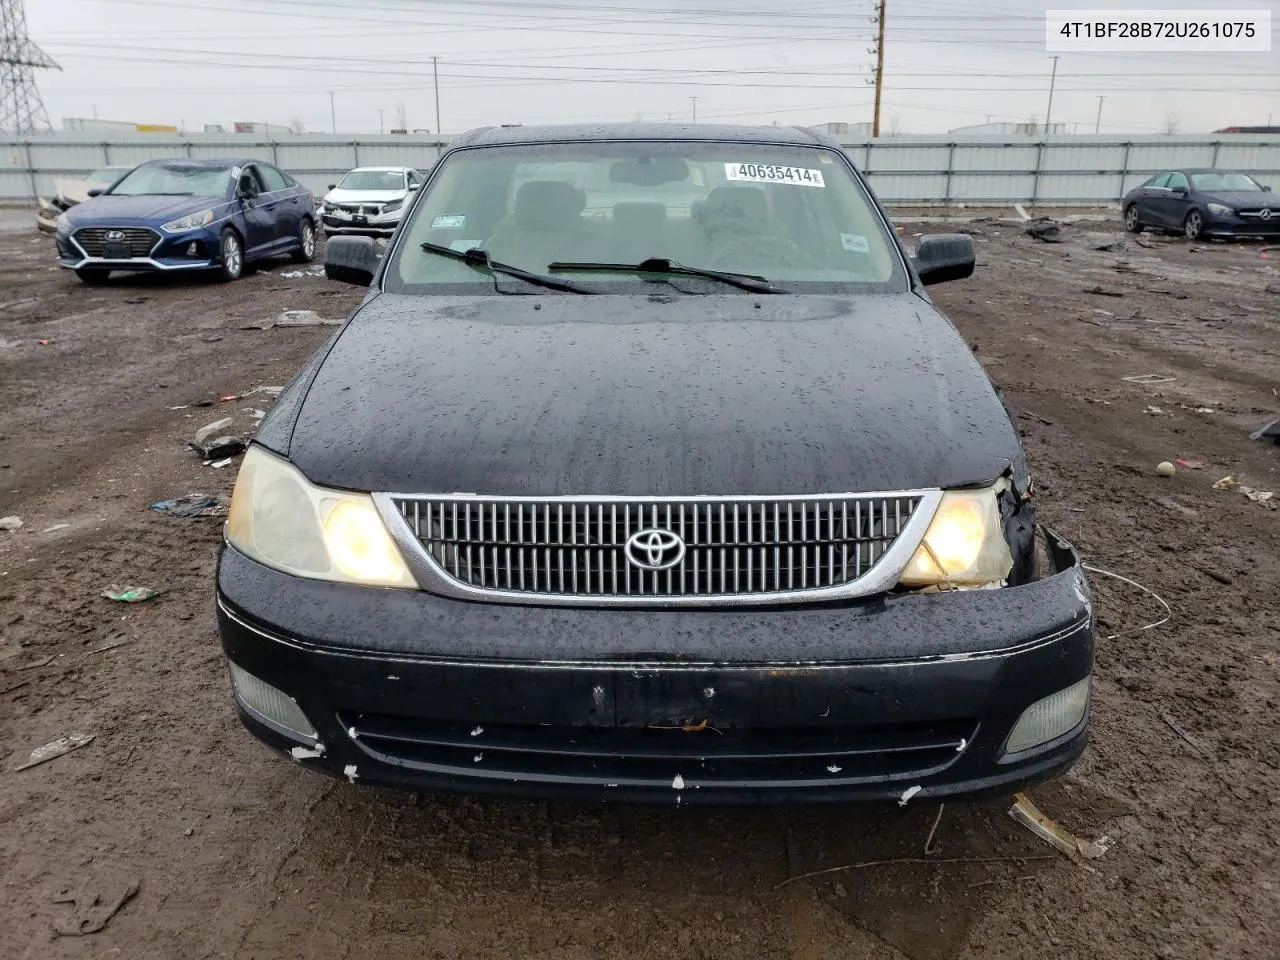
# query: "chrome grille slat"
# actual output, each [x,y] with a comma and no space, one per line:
[734,547]
[139,240]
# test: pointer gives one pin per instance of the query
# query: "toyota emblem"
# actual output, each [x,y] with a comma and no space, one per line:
[1265,214]
[115,235]
[654,549]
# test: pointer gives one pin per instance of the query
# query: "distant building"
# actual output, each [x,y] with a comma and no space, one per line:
[214,128]
[1011,129]
[94,125]
[263,129]
[844,129]
[1248,130]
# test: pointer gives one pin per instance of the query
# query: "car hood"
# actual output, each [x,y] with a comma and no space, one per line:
[1248,199]
[116,209]
[635,395]
[364,196]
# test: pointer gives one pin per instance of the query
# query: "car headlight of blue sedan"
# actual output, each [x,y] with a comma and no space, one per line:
[1220,210]
[192,221]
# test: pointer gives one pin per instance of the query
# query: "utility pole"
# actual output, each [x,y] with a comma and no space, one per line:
[1097,126]
[435,73]
[695,109]
[333,114]
[21,109]
[381,126]
[875,120]
[1053,77]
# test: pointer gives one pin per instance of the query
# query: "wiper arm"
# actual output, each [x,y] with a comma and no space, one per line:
[743,281]
[476,257]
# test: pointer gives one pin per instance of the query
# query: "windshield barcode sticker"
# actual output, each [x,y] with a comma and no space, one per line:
[769,173]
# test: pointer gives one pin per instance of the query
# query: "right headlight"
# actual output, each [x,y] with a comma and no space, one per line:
[282,520]
[1220,209]
[964,545]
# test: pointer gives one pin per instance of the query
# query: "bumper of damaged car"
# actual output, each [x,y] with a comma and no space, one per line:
[383,225]
[1234,225]
[905,699]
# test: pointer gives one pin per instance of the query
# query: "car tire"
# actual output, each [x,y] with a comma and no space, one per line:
[306,251]
[1193,226]
[1131,221]
[230,256]
[94,278]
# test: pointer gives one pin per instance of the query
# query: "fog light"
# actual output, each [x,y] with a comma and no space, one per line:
[269,703]
[1049,718]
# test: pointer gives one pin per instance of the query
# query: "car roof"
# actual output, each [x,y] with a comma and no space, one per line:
[378,169]
[588,132]
[1196,170]
[196,164]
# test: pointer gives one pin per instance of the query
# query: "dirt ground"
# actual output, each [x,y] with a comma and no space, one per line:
[237,853]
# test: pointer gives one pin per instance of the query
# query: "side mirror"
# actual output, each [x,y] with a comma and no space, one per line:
[943,257]
[351,260]
[333,186]
[415,186]
[246,189]
[1178,191]
[97,191]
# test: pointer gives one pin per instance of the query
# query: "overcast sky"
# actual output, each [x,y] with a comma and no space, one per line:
[528,61]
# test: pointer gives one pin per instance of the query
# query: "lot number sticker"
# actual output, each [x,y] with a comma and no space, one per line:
[769,173]
[449,223]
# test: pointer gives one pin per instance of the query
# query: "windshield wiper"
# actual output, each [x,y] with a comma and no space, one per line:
[476,257]
[658,265]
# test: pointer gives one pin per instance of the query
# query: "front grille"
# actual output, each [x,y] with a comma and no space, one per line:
[1257,213]
[367,209]
[138,241]
[732,547]
[650,756]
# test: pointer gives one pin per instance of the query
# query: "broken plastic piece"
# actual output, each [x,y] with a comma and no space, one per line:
[192,505]
[131,594]
[908,794]
[1146,378]
[1227,483]
[10,523]
[303,753]
[1026,813]
[55,749]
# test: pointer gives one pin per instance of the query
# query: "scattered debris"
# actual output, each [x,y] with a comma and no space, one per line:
[92,912]
[218,464]
[1165,468]
[350,772]
[212,444]
[1103,293]
[228,398]
[1204,410]
[271,391]
[1221,577]
[1148,378]
[43,662]
[677,783]
[1227,483]
[1189,464]
[1105,241]
[109,645]
[211,338]
[928,841]
[304,753]
[1173,725]
[1168,610]
[1025,813]
[1027,415]
[56,748]
[1154,411]
[907,794]
[1257,496]
[10,523]
[901,860]
[56,527]
[1144,242]
[131,594]
[192,505]
[1022,212]
[298,274]
[1271,432]
[294,318]
[1046,230]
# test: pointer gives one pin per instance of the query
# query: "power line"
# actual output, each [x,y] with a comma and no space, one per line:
[21,109]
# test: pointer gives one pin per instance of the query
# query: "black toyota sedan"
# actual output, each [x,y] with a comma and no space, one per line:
[648,471]
[1204,203]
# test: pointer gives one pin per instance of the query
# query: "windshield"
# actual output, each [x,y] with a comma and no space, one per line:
[176,180]
[1231,182]
[795,215]
[372,180]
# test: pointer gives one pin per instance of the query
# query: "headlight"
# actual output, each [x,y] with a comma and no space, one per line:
[1220,210]
[279,518]
[964,545]
[393,206]
[62,224]
[190,222]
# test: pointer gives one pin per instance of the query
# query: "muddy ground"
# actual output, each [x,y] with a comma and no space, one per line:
[237,853]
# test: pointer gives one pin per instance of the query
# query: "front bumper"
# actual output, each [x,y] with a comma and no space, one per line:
[371,226]
[190,250]
[1242,227]
[825,703]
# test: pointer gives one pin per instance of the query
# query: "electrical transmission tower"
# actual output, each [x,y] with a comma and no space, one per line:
[21,109]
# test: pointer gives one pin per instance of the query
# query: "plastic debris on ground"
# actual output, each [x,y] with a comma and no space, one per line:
[1269,433]
[1188,463]
[93,911]
[212,444]
[192,505]
[56,748]
[10,523]
[1105,241]
[55,528]
[270,391]
[1026,813]
[299,274]
[1257,496]
[1227,483]
[1148,378]
[131,594]
[1154,411]
[294,318]
[1049,231]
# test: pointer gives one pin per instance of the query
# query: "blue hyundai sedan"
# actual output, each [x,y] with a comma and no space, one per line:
[178,214]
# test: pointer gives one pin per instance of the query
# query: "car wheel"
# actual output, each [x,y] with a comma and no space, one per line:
[306,251]
[93,277]
[1131,221]
[1193,226]
[231,250]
